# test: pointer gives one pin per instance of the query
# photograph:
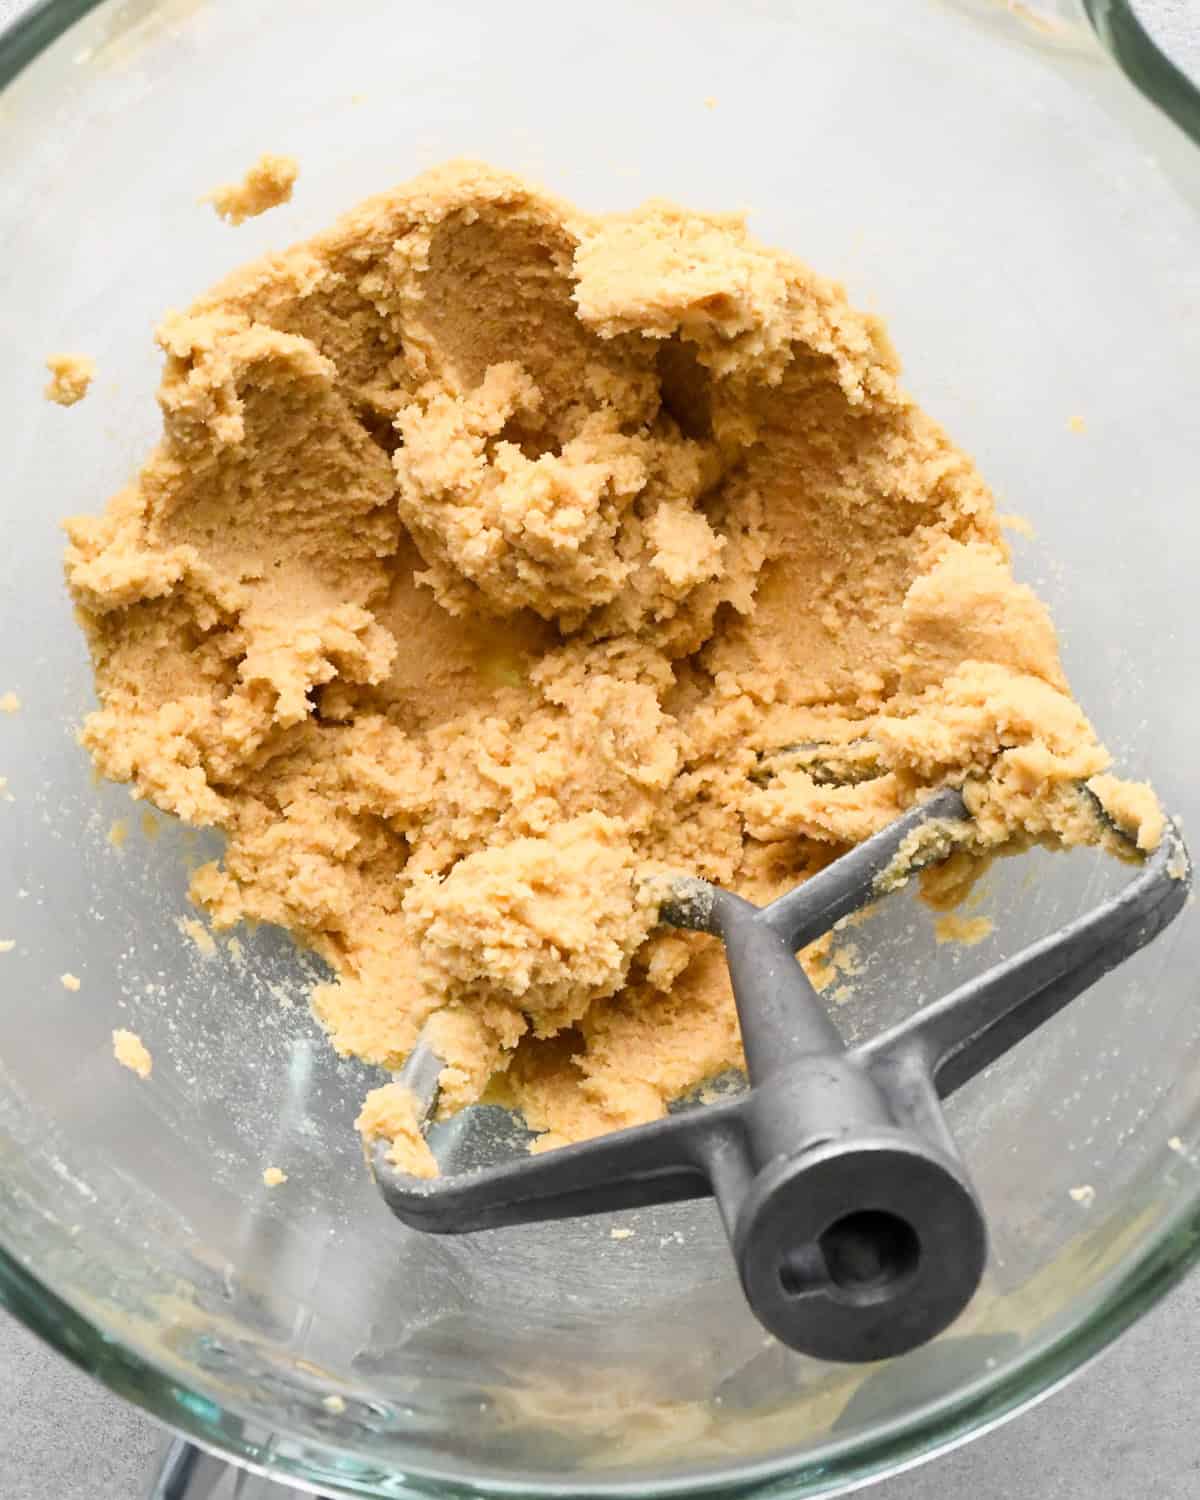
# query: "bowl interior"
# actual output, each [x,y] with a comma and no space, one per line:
[1023,221]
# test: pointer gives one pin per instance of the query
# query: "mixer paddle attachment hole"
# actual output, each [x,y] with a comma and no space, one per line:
[868,1254]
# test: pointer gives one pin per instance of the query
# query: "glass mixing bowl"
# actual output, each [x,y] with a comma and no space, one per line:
[1030,225]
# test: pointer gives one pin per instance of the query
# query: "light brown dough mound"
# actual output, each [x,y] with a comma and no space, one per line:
[546,924]
[496,556]
[604,515]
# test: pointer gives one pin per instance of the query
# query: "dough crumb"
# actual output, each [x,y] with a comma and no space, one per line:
[9,703]
[968,931]
[274,1176]
[929,844]
[335,1404]
[1076,424]
[70,377]
[1176,1144]
[132,1053]
[7,945]
[69,981]
[151,827]
[118,833]
[267,184]
[710,102]
[199,934]
[1085,1194]
[620,1234]
[389,1113]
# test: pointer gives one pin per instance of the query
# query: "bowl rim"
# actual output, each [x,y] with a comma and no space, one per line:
[1169,1251]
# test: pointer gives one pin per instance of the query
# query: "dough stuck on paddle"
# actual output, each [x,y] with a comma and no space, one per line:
[389,1113]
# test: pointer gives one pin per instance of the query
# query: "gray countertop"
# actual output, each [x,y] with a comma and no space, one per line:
[1125,1426]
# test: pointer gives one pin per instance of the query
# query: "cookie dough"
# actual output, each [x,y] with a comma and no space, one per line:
[70,377]
[267,184]
[497,559]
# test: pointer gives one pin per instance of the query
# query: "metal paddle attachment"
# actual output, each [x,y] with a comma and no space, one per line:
[855,1230]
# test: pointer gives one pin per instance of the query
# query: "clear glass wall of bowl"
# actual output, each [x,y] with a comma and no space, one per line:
[1030,227]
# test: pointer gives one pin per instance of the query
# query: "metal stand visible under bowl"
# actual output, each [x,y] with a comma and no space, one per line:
[186,1472]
